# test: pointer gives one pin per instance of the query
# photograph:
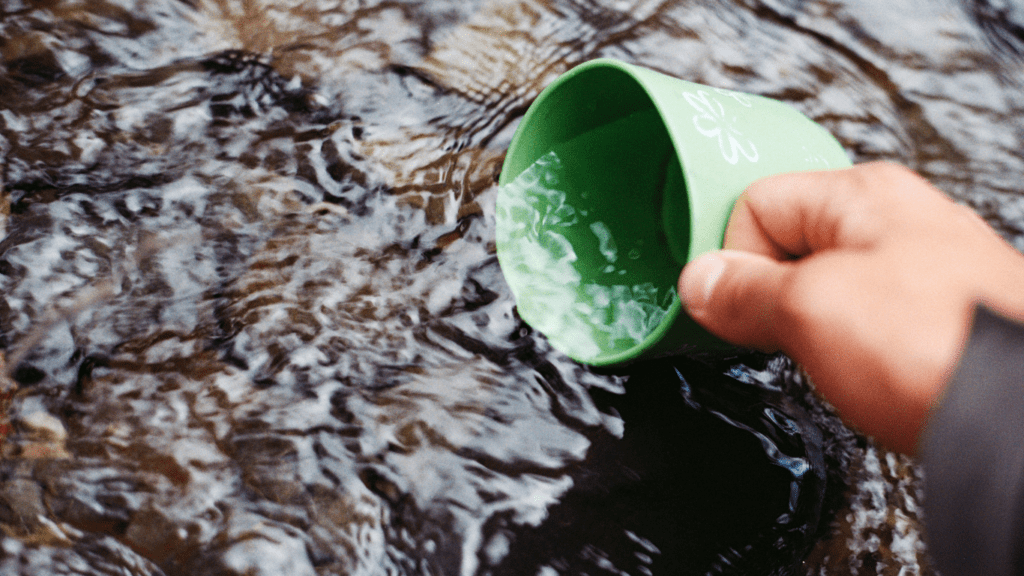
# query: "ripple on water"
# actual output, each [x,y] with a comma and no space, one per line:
[252,306]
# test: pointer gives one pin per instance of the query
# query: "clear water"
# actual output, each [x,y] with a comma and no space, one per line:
[582,306]
[253,322]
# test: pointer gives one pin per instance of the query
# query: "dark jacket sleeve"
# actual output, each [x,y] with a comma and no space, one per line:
[973,454]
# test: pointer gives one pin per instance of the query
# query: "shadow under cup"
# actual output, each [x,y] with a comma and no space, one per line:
[616,177]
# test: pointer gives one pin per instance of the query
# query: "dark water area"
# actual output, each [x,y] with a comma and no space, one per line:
[253,323]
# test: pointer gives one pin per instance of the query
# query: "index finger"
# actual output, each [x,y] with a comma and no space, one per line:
[792,215]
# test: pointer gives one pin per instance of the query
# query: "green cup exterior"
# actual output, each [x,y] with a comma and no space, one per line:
[723,141]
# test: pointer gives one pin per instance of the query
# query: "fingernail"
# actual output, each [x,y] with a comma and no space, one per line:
[699,279]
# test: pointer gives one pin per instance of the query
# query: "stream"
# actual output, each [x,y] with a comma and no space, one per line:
[252,321]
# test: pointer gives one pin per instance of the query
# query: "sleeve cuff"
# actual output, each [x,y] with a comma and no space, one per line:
[973,453]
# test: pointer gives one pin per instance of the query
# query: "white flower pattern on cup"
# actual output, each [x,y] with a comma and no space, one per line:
[712,121]
[743,99]
[817,161]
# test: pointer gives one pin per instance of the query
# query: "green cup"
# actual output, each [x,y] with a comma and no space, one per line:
[615,179]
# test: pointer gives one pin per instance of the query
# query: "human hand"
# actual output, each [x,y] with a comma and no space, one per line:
[867,277]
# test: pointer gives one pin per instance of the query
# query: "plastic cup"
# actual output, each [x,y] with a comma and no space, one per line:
[616,178]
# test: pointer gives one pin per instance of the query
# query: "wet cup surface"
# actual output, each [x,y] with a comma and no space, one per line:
[615,179]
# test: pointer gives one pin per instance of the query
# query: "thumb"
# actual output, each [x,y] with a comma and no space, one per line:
[734,295]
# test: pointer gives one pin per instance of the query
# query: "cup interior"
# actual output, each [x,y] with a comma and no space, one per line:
[593,189]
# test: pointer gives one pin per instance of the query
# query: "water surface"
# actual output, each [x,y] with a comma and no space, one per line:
[253,322]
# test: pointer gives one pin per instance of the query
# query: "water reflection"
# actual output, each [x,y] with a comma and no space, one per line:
[256,325]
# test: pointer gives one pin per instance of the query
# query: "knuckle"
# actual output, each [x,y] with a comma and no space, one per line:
[887,171]
[876,179]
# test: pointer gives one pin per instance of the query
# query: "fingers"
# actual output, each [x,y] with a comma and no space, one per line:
[785,216]
[792,215]
[737,293]
[735,296]
[864,276]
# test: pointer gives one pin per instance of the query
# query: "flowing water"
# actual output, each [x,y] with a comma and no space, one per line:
[253,322]
[558,250]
